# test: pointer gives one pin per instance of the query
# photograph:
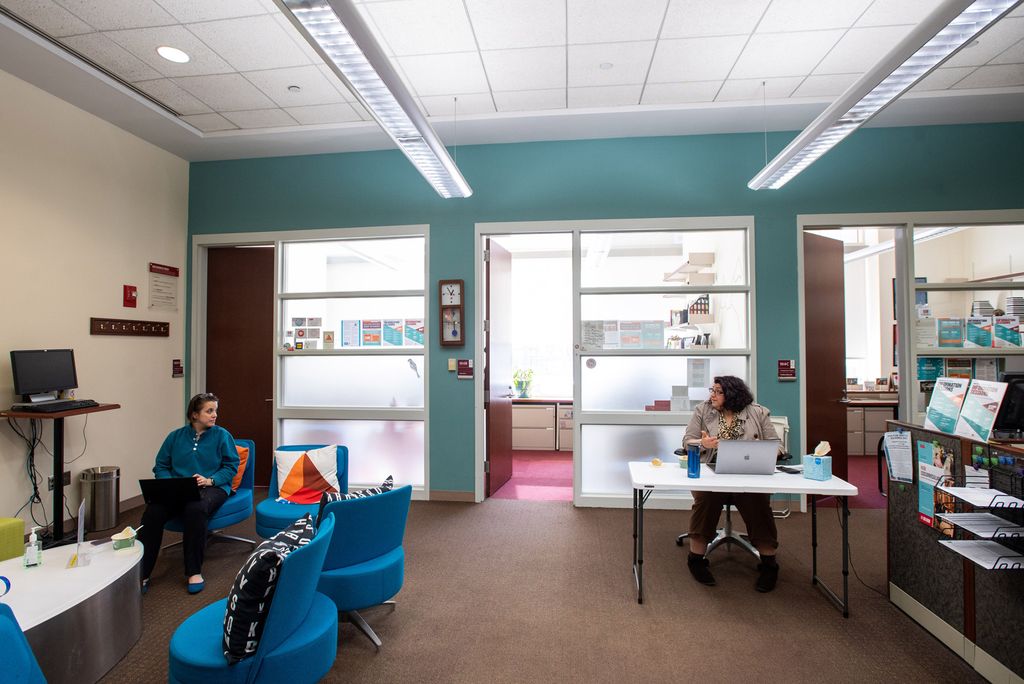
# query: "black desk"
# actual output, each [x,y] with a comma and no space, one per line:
[57,534]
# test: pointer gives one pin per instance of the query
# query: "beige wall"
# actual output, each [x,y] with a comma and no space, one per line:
[84,207]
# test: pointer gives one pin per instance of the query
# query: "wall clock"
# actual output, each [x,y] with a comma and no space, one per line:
[452,313]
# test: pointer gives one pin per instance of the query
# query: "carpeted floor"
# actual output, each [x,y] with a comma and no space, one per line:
[539,476]
[520,591]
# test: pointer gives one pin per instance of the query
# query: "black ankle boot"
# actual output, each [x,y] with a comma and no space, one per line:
[698,566]
[768,574]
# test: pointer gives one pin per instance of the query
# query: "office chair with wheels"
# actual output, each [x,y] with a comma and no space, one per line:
[272,515]
[237,508]
[365,564]
[300,637]
[19,662]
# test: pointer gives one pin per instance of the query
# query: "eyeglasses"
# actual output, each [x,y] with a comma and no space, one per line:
[715,390]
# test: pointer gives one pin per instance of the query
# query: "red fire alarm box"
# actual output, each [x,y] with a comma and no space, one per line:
[131,296]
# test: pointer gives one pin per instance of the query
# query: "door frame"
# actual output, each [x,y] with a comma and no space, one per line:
[904,268]
[198,284]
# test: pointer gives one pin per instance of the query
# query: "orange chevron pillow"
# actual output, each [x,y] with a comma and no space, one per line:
[303,476]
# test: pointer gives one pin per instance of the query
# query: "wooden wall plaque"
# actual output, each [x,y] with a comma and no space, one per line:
[122,326]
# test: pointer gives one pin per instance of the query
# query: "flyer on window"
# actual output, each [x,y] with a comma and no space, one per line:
[981,405]
[392,335]
[350,334]
[944,407]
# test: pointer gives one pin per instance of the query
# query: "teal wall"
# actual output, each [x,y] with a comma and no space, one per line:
[930,168]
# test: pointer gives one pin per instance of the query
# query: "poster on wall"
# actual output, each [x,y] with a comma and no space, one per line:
[934,468]
[163,287]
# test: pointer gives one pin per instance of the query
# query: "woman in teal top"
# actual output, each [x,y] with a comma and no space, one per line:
[207,452]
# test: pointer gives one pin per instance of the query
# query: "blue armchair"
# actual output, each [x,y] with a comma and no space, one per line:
[272,516]
[236,509]
[365,564]
[300,638]
[19,663]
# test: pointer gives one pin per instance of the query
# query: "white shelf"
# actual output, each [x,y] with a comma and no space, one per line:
[983,498]
[985,525]
[987,554]
[969,351]
[969,286]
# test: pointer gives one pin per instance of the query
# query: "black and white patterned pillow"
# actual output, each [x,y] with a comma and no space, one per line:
[386,486]
[253,590]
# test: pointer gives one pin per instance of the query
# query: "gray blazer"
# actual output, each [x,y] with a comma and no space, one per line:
[754,419]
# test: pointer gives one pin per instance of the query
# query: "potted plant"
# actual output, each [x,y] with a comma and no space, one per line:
[523,379]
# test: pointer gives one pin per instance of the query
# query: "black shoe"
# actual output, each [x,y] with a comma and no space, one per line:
[768,575]
[698,566]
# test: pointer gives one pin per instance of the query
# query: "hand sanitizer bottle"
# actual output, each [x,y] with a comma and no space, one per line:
[33,550]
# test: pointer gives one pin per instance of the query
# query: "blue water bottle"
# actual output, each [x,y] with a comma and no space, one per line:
[693,460]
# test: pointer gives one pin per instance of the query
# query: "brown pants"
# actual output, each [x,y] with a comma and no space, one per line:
[755,509]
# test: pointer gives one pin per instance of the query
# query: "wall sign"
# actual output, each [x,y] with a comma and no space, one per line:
[163,287]
[787,370]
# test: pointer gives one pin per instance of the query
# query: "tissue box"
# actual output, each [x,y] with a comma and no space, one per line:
[817,467]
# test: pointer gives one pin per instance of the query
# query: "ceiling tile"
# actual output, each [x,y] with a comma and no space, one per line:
[607,21]
[894,12]
[526,68]
[143,44]
[753,90]
[448,74]
[468,105]
[173,96]
[314,88]
[499,24]
[188,11]
[605,96]
[690,18]
[530,100]
[941,79]
[208,123]
[831,85]
[251,43]
[300,40]
[628,63]
[861,48]
[323,114]
[694,59]
[783,54]
[995,76]
[680,93]
[225,92]
[260,118]
[810,15]
[1012,55]
[1000,36]
[111,15]
[423,27]
[111,56]
[48,16]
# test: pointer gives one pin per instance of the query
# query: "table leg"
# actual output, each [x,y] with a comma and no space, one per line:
[639,498]
[814,539]
[846,556]
[844,602]
[57,535]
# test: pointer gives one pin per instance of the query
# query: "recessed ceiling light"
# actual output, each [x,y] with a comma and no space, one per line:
[605,65]
[294,89]
[172,54]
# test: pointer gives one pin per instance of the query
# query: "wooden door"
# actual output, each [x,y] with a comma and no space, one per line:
[498,367]
[825,346]
[239,349]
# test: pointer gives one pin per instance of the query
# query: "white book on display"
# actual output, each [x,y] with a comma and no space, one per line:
[944,407]
[980,408]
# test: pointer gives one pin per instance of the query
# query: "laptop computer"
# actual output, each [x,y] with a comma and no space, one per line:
[171,491]
[746,456]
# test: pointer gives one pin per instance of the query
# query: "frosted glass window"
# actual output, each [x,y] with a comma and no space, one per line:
[376,448]
[400,311]
[606,450]
[657,258]
[631,383]
[354,265]
[685,319]
[352,380]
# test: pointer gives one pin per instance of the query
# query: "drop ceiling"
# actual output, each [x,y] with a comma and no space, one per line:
[487,71]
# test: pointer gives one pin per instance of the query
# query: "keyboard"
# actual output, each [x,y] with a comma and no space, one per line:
[55,406]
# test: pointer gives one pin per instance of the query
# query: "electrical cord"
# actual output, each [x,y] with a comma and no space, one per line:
[32,440]
[849,553]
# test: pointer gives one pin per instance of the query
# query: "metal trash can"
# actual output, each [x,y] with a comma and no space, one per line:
[101,491]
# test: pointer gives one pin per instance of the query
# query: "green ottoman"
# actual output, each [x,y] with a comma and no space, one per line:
[12,538]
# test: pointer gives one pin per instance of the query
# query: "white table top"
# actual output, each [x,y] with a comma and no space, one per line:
[39,593]
[669,476]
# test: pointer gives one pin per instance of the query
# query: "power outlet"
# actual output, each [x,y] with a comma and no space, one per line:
[67,480]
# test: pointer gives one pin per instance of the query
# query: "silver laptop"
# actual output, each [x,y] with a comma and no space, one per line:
[746,456]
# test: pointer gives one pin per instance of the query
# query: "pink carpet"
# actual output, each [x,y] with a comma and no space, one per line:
[862,471]
[539,476]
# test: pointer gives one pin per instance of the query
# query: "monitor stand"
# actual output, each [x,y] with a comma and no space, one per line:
[41,397]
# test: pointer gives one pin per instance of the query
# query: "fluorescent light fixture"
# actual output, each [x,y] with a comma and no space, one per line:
[172,54]
[338,33]
[948,28]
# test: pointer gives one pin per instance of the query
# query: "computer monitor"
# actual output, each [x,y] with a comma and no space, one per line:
[39,374]
[1010,419]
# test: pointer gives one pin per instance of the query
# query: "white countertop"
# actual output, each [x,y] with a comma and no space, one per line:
[669,476]
[41,592]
